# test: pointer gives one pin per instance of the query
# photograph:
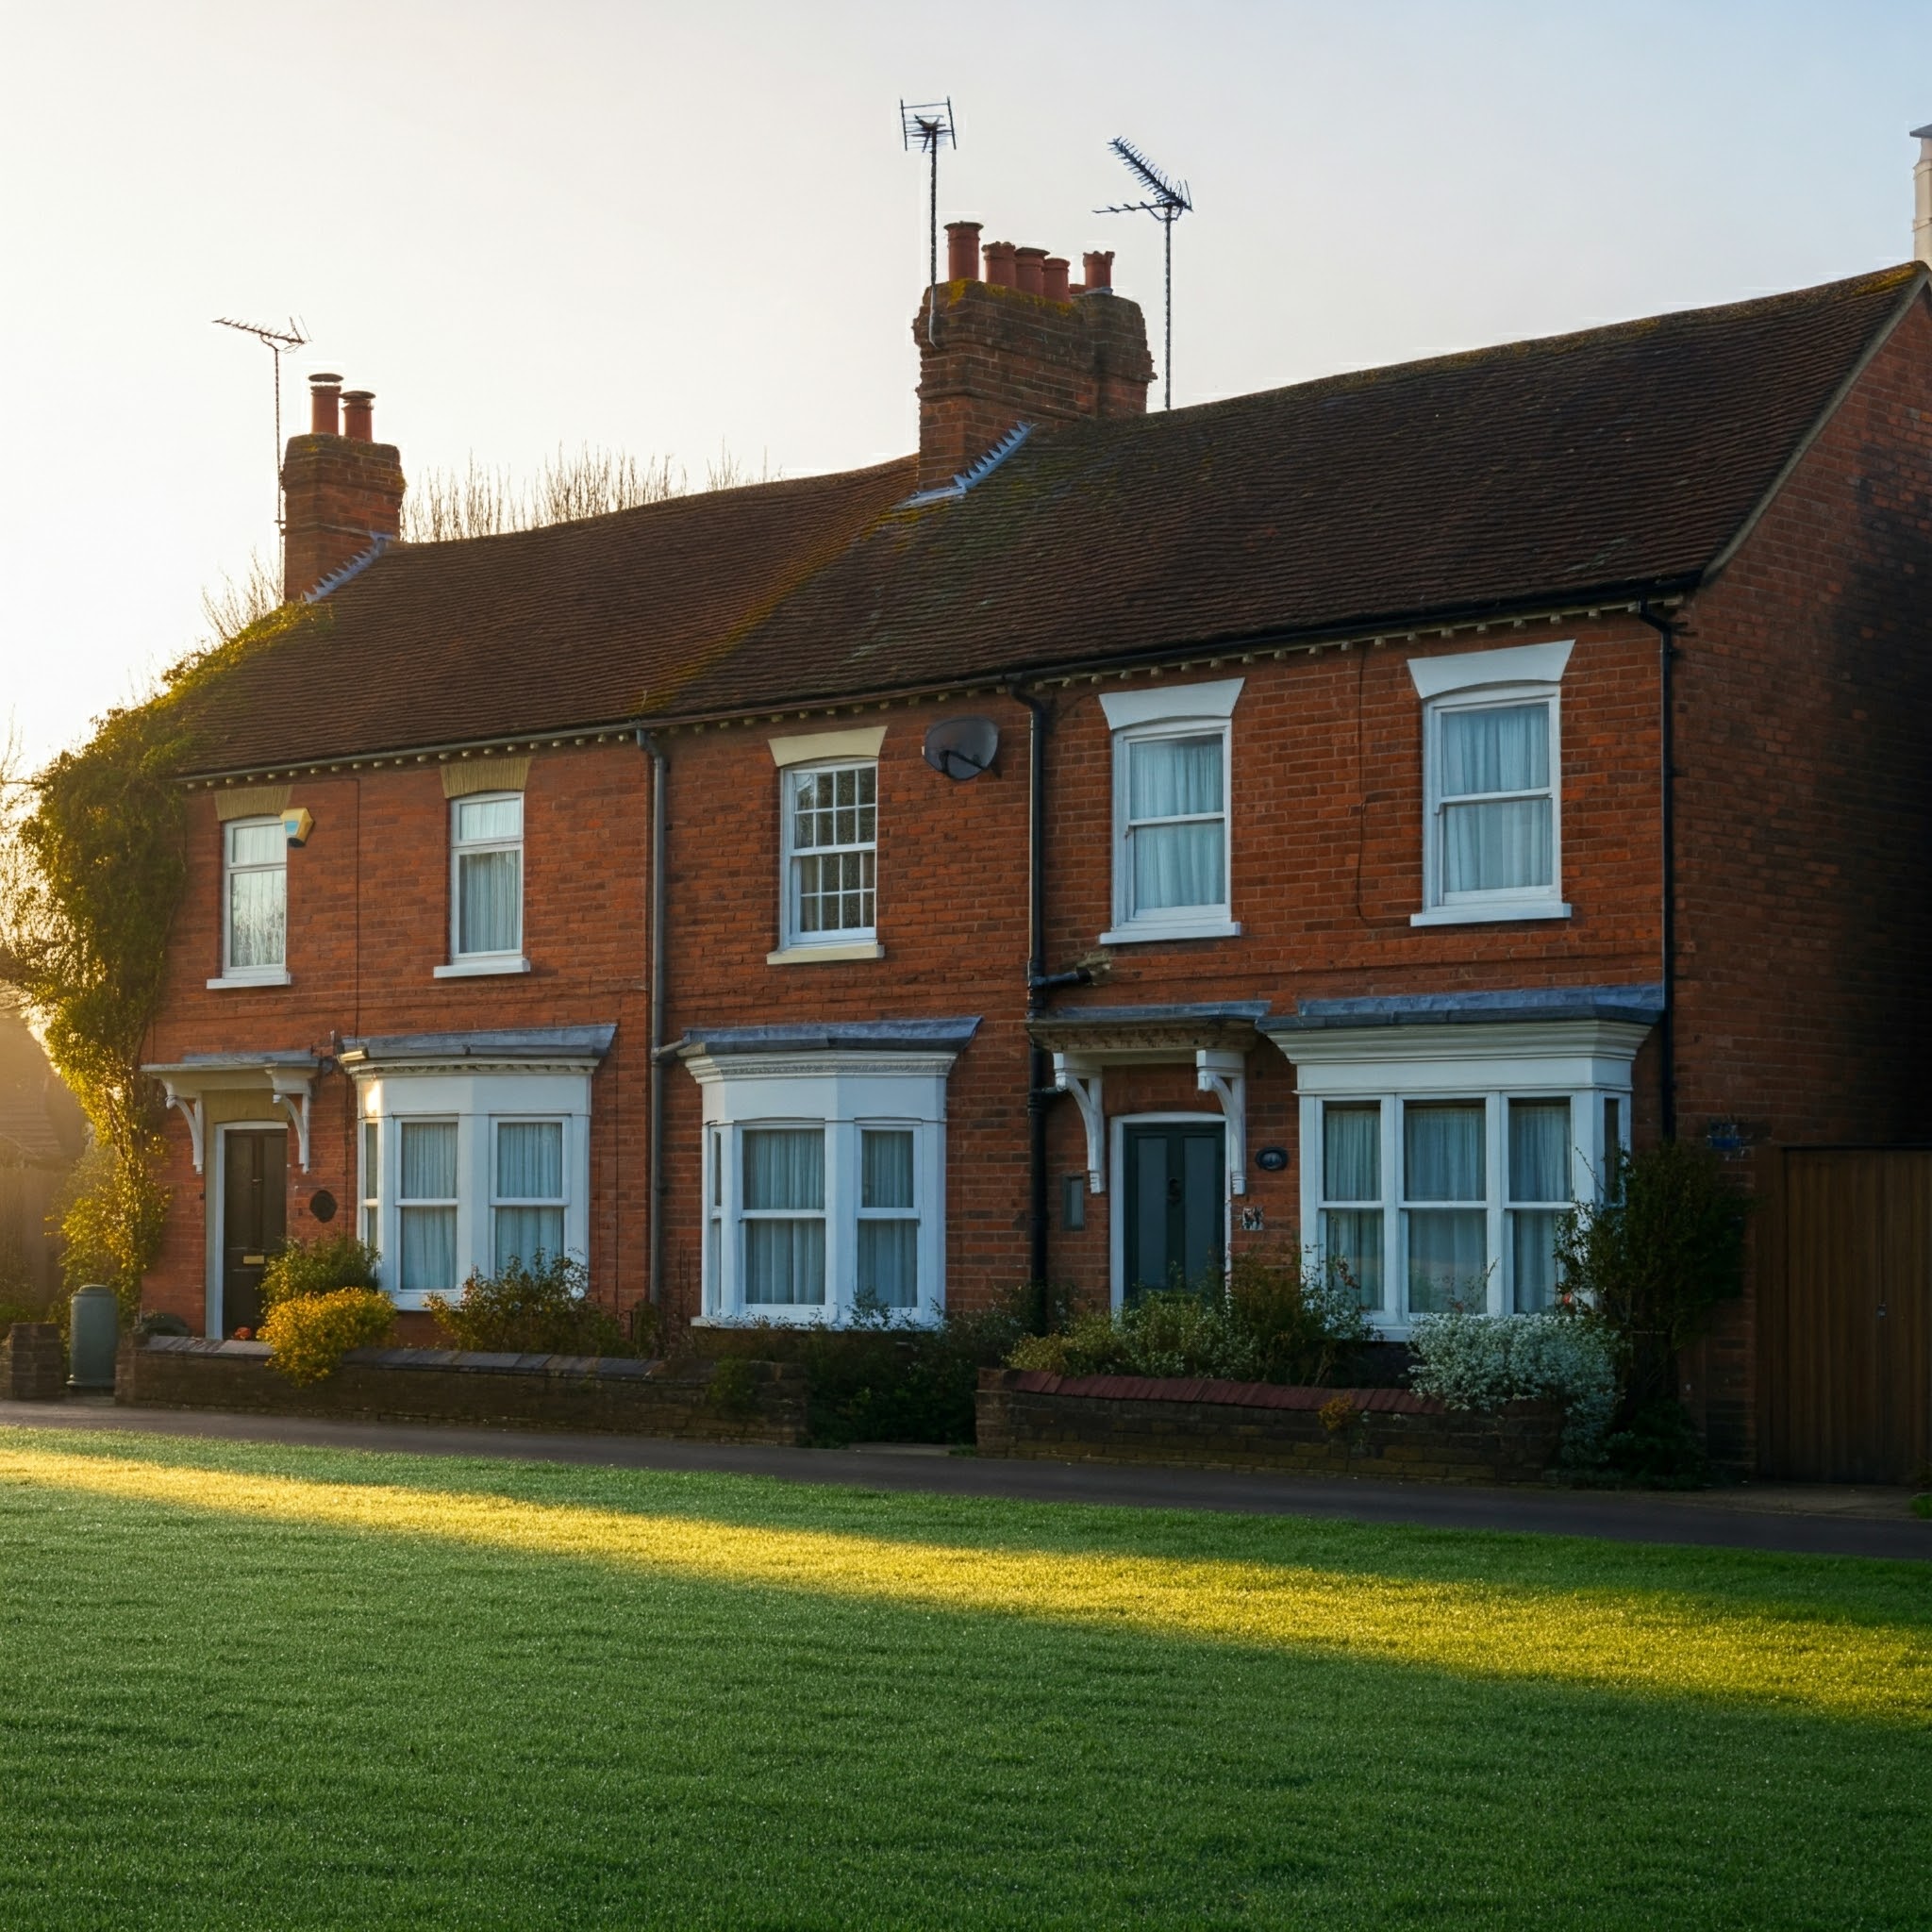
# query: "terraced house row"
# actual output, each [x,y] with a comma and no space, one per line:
[1343,814]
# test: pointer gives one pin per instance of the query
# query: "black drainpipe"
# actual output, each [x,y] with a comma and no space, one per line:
[660,844]
[1668,654]
[1038,1080]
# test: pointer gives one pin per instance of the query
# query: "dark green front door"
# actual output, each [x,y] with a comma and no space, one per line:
[254,1208]
[1175,1204]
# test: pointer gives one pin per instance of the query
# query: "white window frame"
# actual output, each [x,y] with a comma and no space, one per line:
[1489,680]
[847,1092]
[498,1202]
[369,1184]
[450,1203]
[848,940]
[231,975]
[392,1094]
[1586,1062]
[1148,716]
[462,965]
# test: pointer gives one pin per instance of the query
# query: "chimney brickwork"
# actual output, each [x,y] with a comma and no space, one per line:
[1001,354]
[340,490]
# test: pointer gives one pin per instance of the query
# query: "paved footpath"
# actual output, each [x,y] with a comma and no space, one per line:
[1811,1519]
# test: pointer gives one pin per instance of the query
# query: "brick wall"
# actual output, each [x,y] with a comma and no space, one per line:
[33,1363]
[1805,814]
[1382,1432]
[757,1402]
[1000,355]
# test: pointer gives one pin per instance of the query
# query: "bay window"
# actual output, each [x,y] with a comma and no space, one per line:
[824,1168]
[475,1152]
[1445,1136]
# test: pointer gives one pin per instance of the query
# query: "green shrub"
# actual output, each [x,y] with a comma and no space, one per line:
[541,1307]
[1269,1319]
[309,1334]
[886,1379]
[1922,1506]
[1481,1361]
[1653,1260]
[734,1388]
[329,1262]
[1657,1447]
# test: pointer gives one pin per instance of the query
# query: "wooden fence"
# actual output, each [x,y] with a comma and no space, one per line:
[1844,1314]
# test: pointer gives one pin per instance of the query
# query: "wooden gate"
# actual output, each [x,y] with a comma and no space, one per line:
[1844,1314]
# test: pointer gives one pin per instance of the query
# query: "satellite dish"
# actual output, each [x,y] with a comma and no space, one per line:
[962,747]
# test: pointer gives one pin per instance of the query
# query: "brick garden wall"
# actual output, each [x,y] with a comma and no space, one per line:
[755,1401]
[1209,1425]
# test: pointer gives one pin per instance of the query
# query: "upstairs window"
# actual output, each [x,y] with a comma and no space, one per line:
[486,878]
[831,853]
[1492,790]
[255,895]
[1495,802]
[1172,799]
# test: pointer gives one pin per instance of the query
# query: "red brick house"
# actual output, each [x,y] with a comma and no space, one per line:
[1338,813]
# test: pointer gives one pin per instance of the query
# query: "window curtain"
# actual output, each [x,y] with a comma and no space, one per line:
[1504,845]
[1538,1171]
[492,885]
[1185,864]
[1448,1248]
[479,819]
[529,1166]
[888,1249]
[258,917]
[785,1259]
[429,1234]
[1352,1152]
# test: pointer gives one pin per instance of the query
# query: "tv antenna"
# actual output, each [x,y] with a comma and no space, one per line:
[277,342]
[928,125]
[1167,202]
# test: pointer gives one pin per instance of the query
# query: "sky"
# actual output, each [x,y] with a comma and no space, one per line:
[676,230]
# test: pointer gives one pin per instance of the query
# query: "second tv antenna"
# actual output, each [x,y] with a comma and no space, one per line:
[276,341]
[928,127]
[1167,202]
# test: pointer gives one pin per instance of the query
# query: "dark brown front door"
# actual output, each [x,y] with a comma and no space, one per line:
[255,1206]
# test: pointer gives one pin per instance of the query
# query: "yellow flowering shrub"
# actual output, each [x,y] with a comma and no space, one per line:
[311,1333]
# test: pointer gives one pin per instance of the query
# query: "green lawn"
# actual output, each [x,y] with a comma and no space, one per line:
[244,1686]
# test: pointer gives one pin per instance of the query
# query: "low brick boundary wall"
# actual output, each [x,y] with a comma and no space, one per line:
[33,1364]
[753,1402]
[1210,1424]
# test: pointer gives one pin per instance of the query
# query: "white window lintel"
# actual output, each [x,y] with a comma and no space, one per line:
[1164,704]
[1509,664]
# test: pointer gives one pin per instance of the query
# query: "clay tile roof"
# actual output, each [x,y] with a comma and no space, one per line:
[1619,458]
[543,631]
[1604,463]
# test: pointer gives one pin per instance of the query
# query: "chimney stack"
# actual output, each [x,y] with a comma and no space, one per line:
[1922,197]
[1020,346]
[342,489]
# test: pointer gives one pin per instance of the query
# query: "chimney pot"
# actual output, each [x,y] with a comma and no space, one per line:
[999,264]
[324,393]
[963,251]
[358,414]
[1026,268]
[1052,278]
[1098,262]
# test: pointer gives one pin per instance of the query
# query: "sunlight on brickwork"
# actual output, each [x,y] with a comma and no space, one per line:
[1643,1643]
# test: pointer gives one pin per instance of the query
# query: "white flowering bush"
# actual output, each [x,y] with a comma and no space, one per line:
[1482,1361]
